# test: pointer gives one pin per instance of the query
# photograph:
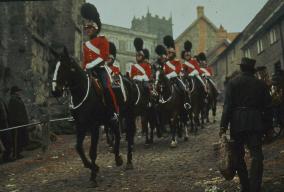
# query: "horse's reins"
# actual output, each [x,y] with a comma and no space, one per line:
[193,85]
[84,99]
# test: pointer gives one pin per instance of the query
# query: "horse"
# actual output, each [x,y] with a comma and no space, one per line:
[133,100]
[211,99]
[87,108]
[197,96]
[170,104]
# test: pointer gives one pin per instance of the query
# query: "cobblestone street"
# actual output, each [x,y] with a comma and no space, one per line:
[189,167]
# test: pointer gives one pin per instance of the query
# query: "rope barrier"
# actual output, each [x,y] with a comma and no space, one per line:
[36,123]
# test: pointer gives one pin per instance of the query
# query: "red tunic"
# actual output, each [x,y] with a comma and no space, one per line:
[135,71]
[207,71]
[115,70]
[171,66]
[196,65]
[96,50]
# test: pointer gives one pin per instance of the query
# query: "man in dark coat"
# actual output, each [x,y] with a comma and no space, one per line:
[247,101]
[6,136]
[18,116]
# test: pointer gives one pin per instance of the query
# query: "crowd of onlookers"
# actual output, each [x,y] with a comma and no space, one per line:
[13,142]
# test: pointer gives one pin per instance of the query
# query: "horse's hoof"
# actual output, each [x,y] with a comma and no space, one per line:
[118,160]
[129,166]
[88,165]
[186,139]
[97,168]
[173,144]
[93,183]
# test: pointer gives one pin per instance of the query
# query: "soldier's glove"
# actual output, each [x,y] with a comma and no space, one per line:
[222,131]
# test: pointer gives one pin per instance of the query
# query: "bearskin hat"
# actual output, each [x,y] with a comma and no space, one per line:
[169,41]
[161,50]
[138,44]
[187,46]
[201,56]
[146,53]
[112,49]
[89,12]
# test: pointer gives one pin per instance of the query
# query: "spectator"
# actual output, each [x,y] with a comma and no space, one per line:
[6,136]
[18,116]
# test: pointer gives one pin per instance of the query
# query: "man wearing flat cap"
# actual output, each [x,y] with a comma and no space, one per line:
[247,100]
[18,116]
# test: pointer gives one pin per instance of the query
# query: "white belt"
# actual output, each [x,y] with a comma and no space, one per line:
[141,78]
[172,75]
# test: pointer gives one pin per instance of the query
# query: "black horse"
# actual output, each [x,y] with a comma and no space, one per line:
[170,104]
[88,108]
[211,99]
[133,100]
[197,96]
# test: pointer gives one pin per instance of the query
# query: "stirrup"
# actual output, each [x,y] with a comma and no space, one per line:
[187,106]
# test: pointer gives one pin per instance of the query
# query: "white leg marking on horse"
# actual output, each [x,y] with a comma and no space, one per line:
[55,76]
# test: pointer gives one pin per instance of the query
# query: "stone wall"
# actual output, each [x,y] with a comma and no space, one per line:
[27,31]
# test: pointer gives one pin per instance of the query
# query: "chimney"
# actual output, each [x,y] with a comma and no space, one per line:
[200,11]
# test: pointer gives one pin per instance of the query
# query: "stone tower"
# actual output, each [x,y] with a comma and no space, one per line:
[154,25]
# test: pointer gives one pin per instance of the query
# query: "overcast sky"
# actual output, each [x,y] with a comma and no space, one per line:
[234,15]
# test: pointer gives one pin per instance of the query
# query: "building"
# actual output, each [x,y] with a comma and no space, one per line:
[217,49]
[224,64]
[262,39]
[203,34]
[153,25]
[28,33]
[264,35]
[123,39]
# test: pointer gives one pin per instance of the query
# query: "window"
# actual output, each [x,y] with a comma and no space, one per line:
[259,46]
[129,46]
[121,45]
[272,36]
[247,53]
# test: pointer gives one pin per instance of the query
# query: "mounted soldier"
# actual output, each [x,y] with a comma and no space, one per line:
[141,72]
[190,65]
[96,54]
[211,88]
[172,69]
[115,70]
